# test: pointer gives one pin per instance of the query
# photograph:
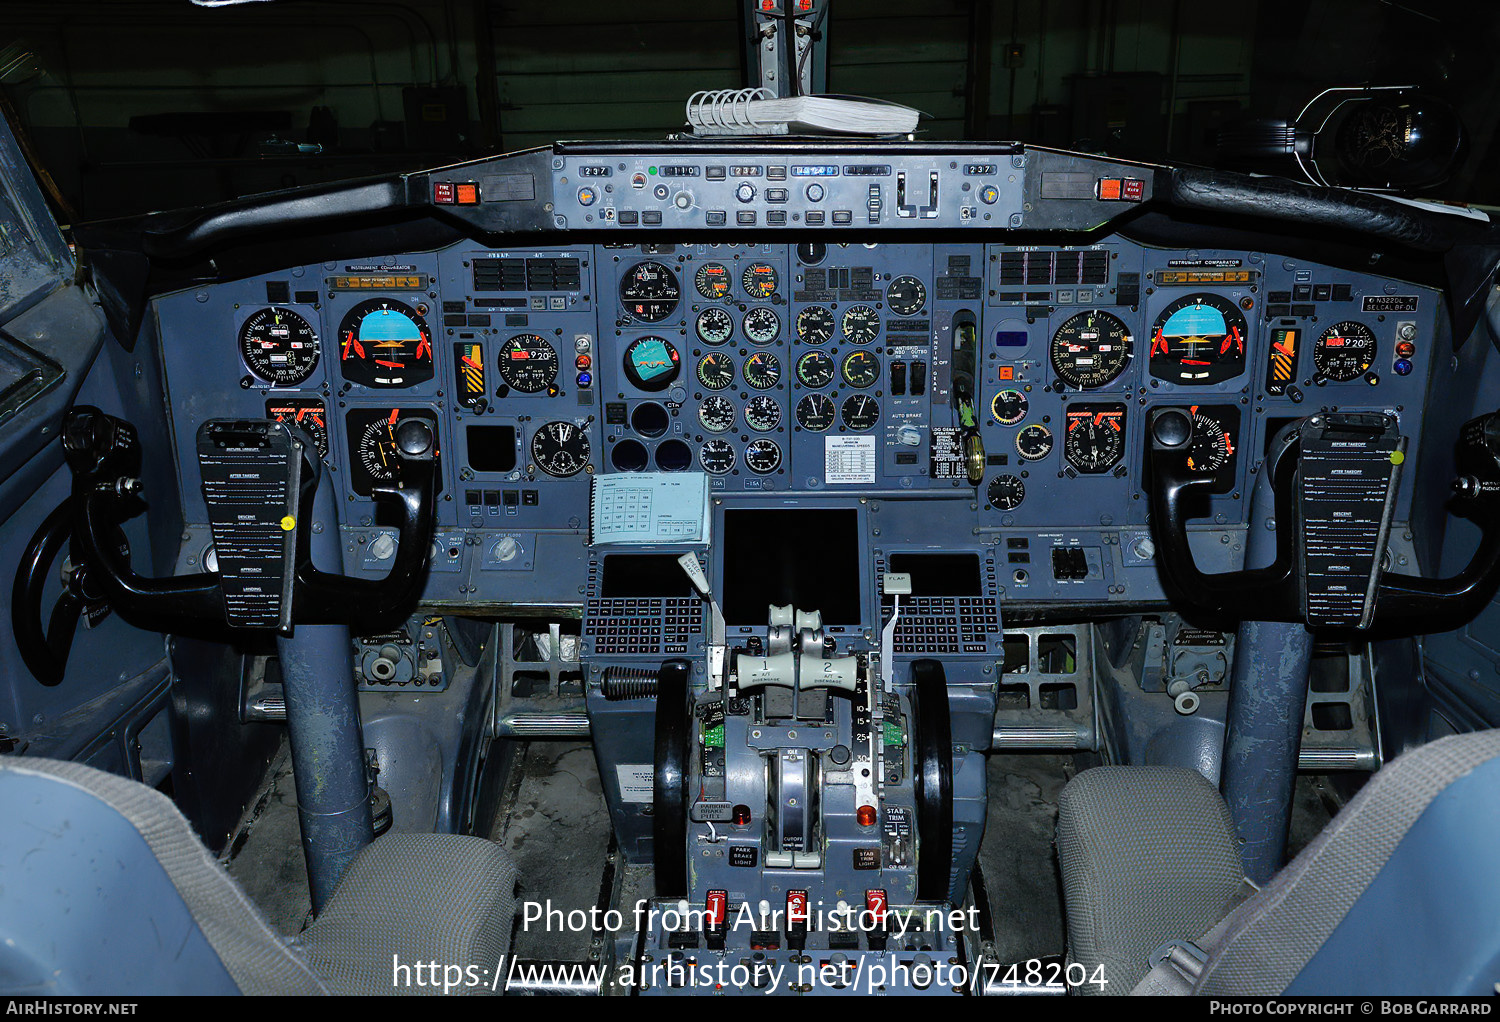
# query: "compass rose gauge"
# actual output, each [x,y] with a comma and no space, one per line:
[372,441]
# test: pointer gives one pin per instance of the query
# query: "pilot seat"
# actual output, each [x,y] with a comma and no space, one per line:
[1389,899]
[159,915]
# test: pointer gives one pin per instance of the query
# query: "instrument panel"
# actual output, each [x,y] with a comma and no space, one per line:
[883,371]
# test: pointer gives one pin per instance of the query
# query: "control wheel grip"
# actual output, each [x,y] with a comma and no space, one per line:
[1266,594]
[104,455]
[1405,603]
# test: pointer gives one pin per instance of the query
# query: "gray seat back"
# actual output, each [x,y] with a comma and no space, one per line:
[108,890]
[1397,895]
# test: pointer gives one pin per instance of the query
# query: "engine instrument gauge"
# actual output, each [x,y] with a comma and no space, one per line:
[1006,492]
[716,456]
[762,370]
[860,412]
[716,414]
[759,280]
[650,292]
[761,325]
[816,413]
[861,369]
[651,363]
[715,370]
[306,413]
[1199,339]
[1034,442]
[1009,406]
[763,413]
[712,281]
[1091,349]
[560,449]
[815,324]
[906,296]
[763,456]
[279,347]
[815,370]
[1094,437]
[1345,351]
[714,325]
[861,324]
[372,441]
[385,343]
[528,363]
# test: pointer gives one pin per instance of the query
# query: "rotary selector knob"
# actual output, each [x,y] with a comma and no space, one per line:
[506,549]
[683,200]
[815,192]
[745,192]
[383,546]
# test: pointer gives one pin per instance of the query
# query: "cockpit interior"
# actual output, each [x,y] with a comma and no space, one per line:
[785,553]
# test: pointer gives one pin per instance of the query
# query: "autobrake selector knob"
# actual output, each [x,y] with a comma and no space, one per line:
[1171,429]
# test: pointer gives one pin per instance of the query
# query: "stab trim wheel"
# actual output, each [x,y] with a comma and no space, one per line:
[932,768]
[669,789]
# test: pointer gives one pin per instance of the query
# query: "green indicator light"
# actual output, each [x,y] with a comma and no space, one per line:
[652,171]
[713,738]
[893,734]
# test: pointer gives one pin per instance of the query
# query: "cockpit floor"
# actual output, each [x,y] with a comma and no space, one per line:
[556,825]
[266,857]
[1016,856]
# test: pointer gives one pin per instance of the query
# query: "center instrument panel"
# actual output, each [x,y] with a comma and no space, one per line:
[848,368]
